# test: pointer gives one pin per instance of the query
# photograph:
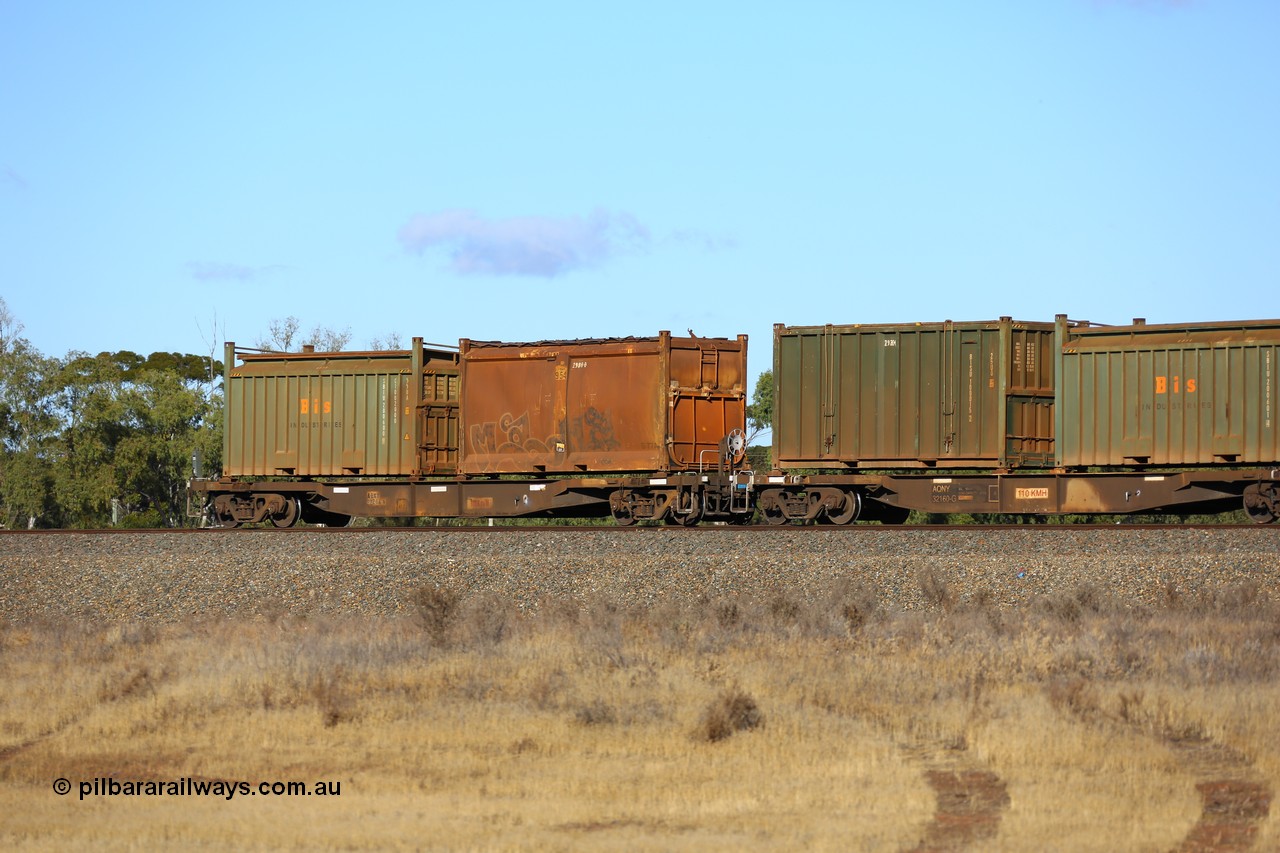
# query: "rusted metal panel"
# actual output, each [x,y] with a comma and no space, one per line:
[1197,394]
[438,418]
[914,395]
[340,414]
[633,404]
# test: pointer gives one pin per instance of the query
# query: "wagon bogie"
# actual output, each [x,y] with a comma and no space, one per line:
[824,504]
[235,509]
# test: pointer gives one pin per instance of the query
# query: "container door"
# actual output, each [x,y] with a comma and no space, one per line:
[614,410]
[438,424]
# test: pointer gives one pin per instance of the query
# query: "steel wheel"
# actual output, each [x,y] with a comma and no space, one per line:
[849,510]
[689,518]
[288,516]
[621,510]
[772,514]
[1260,503]
[222,513]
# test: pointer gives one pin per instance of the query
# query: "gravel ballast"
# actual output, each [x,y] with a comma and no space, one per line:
[173,576]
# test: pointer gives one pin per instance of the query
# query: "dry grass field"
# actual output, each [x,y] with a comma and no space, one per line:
[833,724]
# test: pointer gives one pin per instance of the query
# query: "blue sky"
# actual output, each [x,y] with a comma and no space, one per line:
[174,173]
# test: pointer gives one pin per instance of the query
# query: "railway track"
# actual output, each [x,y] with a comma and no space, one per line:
[766,529]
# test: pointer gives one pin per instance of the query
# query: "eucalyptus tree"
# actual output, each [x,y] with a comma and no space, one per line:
[27,426]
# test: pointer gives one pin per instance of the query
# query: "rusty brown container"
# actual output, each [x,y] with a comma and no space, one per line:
[318,414]
[1172,395]
[610,405]
[972,395]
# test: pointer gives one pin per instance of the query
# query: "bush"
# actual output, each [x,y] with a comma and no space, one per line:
[734,711]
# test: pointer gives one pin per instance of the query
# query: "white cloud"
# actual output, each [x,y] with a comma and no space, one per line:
[525,245]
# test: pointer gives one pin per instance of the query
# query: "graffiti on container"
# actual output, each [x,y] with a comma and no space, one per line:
[510,434]
[596,429]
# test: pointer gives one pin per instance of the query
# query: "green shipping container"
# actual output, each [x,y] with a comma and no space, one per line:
[1171,395]
[920,395]
[366,414]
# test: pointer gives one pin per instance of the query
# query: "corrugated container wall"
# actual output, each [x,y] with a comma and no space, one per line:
[1198,394]
[914,395]
[370,414]
[634,404]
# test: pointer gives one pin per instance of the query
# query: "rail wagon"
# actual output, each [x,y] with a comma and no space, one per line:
[1025,418]
[870,423]
[638,428]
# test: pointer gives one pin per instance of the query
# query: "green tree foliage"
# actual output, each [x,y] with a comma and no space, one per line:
[27,425]
[168,422]
[87,404]
[187,367]
[128,435]
[760,410]
[82,433]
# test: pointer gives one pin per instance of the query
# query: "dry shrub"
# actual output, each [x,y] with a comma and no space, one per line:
[855,616]
[1244,599]
[1075,696]
[329,692]
[546,687]
[734,711]
[131,682]
[488,621]
[600,634]
[936,591]
[525,744]
[597,713]
[1130,709]
[728,614]
[436,610]
[784,610]
[842,609]
[1072,607]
